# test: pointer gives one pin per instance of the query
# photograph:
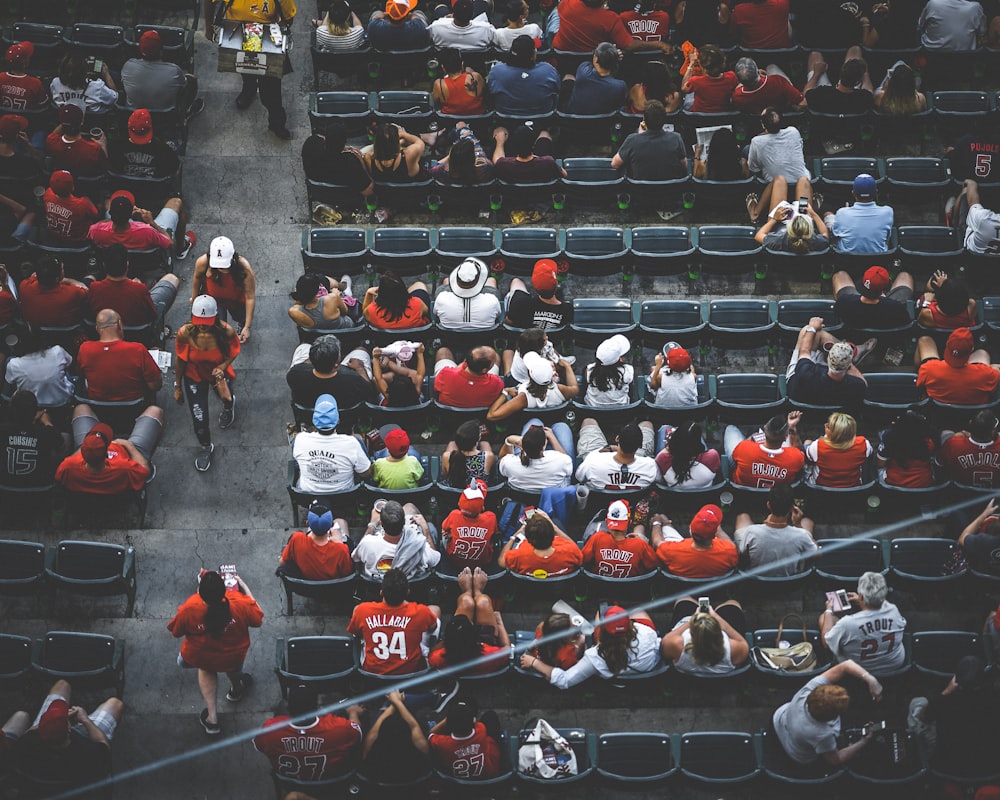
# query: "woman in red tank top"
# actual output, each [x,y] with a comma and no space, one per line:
[228,277]
[462,90]
[838,459]
[946,304]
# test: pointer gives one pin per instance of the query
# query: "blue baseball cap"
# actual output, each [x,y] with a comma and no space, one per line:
[326,414]
[320,519]
[864,185]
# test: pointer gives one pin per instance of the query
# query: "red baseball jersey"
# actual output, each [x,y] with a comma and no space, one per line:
[470,538]
[474,756]
[970,462]
[756,465]
[392,635]
[618,559]
[325,748]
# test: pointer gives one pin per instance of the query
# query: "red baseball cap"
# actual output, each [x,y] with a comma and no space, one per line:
[20,53]
[875,281]
[11,125]
[616,627]
[545,275]
[678,359]
[95,444]
[54,724]
[61,182]
[150,45]
[140,127]
[959,347]
[706,522]
[397,442]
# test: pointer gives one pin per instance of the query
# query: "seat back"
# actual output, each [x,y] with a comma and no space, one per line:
[521,247]
[400,246]
[748,315]
[599,314]
[22,566]
[635,757]
[718,757]
[352,108]
[727,240]
[47,39]
[457,243]
[746,390]
[593,243]
[670,318]
[937,653]
[793,315]
[74,654]
[922,559]
[778,766]
[346,246]
[15,656]
[844,561]
[318,657]
[89,562]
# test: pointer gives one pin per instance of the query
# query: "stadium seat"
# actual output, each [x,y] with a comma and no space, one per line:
[522,638]
[342,63]
[384,787]
[520,248]
[583,744]
[842,561]
[387,65]
[718,757]
[48,40]
[148,192]
[779,767]
[326,788]
[473,786]
[105,41]
[911,499]
[411,109]
[609,587]
[22,568]
[597,318]
[322,662]
[912,179]
[925,248]
[330,249]
[96,569]
[331,194]
[334,590]
[528,588]
[875,765]
[728,249]
[692,587]
[770,637]
[406,251]
[748,392]
[31,502]
[892,392]
[680,321]
[937,653]
[177,45]
[93,509]
[836,174]
[119,414]
[722,195]
[341,503]
[743,322]
[663,250]
[847,128]
[595,250]
[960,111]
[635,759]
[83,659]
[455,244]
[591,181]
[922,562]
[585,129]
[15,657]
[793,315]
[460,198]
[657,195]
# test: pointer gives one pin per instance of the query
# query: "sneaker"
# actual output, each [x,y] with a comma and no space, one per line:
[862,350]
[190,237]
[445,697]
[348,285]
[280,131]
[235,693]
[204,459]
[818,200]
[243,101]
[228,415]
[196,108]
[211,728]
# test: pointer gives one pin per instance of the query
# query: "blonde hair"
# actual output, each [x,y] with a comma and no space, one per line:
[841,431]
[706,645]
[800,230]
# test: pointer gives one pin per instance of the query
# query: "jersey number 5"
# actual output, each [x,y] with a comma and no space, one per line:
[983,163]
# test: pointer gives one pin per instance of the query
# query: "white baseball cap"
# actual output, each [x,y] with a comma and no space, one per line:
[540,369]
[204,310]
[220,254]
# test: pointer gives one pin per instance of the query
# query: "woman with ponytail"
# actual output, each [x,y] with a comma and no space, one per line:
[215,623]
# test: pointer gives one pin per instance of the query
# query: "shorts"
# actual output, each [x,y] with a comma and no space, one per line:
[184,665]
[422,294]
[361,355]
[145,433]
[101,718]
[592,438]
[168,219]
[163,295]
[817,356]
[899,293]
[22,232]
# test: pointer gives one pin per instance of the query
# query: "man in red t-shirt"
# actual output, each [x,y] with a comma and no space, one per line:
[394,630]
[964,376]
[308,747]
[116,370]
[770,90]
[542,551]
[764,463]
[614,553]
[70,151]
[759,24]
[143,233]
[584,24]
[19,90]
[67,217]
[468,531]
[136,304]
[105,465]
[48,297]
[972,457]
[707,554]
[470,384]
[463,747]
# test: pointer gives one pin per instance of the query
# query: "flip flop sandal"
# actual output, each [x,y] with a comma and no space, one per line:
[753,199]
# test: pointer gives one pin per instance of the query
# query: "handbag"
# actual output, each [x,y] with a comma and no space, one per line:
[792,658]
[545,753]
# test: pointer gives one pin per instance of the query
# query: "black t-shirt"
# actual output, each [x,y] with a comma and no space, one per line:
[977,156]
[527,310]
[154,160]
[29,455]
[82,762]
[968,735]
[811,383]
[887,313]
[829,100]
[343,169]
[347,386]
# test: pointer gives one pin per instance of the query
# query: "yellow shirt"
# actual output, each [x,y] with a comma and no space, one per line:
[259,10]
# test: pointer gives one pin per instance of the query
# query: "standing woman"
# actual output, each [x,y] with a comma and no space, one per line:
[215,623]
[228,277]
[206,348]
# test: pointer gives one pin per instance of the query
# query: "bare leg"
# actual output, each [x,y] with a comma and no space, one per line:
[208,684]
[926,348]
[841,280]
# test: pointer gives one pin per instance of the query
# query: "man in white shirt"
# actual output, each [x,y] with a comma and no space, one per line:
[329,461]
[396,537]
[874,635]
[469,298]
[460,30]
[626,464]
[979,226]
[955,25]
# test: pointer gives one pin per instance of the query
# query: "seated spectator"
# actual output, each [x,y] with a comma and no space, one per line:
[657,83]
[467,532]
[73,84]
[400,27]
[766,458]
[758,90]
[952,25]
[543,461]
[541,390]
[522,86]
[466,163]
[546,306]
[144,233]
[18,157]
[460,31]
[516,14]
[972,457]
[839,457]
[609,378]
[18,89]
[808,726]
[329,462]
[103,465]
[595,89]
[69,150]
[581,25]
[340,29]
[476,629]
[461,90]
[399,469]
[16,223]
[906,452]
[530,340]
[625,645]
[395,155]
[322,553]
[136,304]
[328,158]
[785,533]
[472,384]
[875,304]
[30,446]
[465,747]
[788,230]
[393,618]
[851,95]
[647,21]
[468,298]
[980,540]
[707,553]
[48,297]
[395,744]
[777,151]
[706,642]
[613,551]
[898,93]
[393,305]
[151,82]
[397,540]
[398,373]
[319,304]
[652,153]
[946,304]
[838,380]
[673,378]
[141,154]
[563,653]
[532,160]
[684,461]
[863,227]
[332,743]
[971,155]
[759,24]
[626,464]
[325,373]
[67,217]
[113,369]
[42,371]
[712,91]
[468,457]
[724,160]
[978,224]
[873,635]
[64,743]
[964,376]
[543,550]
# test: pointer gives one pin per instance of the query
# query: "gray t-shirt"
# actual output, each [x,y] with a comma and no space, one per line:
[152,84]
[653,155]
[774,154]
[803,737]
[762,544]
[873,638]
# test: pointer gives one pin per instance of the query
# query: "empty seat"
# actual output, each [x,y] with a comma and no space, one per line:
[757,392]
[662,321]
[456,244]
[961,105]
[749,319]
[927,247]
[411,109]
[793,315]
[22,567]
[663,249]
[591,180]
[727,249]
[838,172]
[97,569]
[322,662]
[892,391]
[937,653]
[81,658]
[104,41]
[597,318]
[915,177]
[923,561]
[522,247]
[331,590]
[635,759]
[778,766]
[15,657]
[403,250]
[595,251]
[333,249]
[842,561]
[351,108]
[718,757]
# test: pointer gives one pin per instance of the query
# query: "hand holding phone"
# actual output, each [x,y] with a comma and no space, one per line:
[839,601]
[704,605]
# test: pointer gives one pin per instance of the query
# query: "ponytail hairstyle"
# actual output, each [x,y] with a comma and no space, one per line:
[212,590]
[466,438]
[615,648]
[800,230]
[706,645]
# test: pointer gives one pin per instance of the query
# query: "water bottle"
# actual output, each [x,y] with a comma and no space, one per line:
[571,420]
[616,133]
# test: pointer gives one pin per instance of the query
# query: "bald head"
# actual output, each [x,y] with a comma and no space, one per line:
[107,322]
[480,359]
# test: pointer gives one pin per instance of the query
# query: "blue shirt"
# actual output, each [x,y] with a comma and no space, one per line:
[524,91]
[411,35]
[594,93]
[862,228]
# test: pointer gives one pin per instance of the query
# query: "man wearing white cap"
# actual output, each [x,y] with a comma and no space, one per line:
[609,379]
[228,277]
[468,299]
[627,464]
[614,552]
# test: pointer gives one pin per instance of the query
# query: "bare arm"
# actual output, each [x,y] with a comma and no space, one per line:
[250,290]
[973,527]
[132,451]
